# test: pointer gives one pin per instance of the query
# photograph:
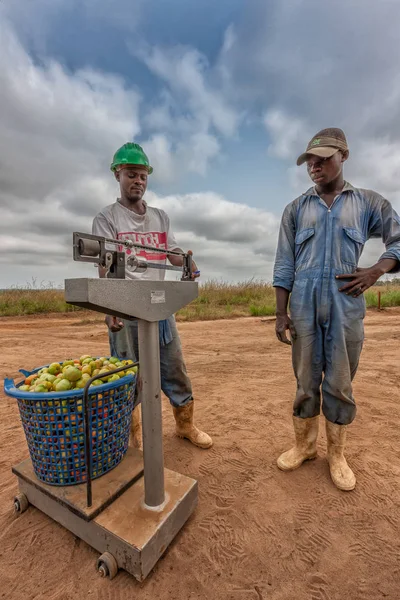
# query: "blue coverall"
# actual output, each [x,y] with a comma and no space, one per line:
[316,243]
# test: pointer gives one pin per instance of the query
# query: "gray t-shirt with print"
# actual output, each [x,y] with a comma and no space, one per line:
[151,229]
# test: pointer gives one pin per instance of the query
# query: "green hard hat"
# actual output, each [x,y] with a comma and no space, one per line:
[130,154]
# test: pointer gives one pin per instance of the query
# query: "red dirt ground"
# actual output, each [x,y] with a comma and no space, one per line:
[257,534]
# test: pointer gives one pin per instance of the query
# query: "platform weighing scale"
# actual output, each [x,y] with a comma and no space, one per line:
[132,513]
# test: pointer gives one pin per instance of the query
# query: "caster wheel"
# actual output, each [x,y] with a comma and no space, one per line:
[107,565]
[20,503]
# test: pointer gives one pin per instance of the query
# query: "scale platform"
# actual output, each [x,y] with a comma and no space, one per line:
[118,522]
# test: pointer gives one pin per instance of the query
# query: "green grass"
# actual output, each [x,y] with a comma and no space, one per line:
[220,300]
[15,302]
[266,310]
[389,297]
[216,300]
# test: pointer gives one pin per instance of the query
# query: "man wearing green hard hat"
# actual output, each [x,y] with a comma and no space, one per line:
[130,217]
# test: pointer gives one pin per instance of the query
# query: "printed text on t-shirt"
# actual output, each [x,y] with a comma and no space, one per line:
[156,239]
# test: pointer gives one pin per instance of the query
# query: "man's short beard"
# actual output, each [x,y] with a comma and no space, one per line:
[135,198]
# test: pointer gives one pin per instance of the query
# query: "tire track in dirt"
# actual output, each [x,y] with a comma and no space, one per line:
[316,543]
[335,499]
[317,587]
[305,514]
[393,520]
[363,551]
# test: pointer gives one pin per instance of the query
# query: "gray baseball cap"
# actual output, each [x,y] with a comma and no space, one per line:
[324,144]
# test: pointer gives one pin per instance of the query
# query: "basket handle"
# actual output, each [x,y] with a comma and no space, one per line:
[24,372]
[9,385]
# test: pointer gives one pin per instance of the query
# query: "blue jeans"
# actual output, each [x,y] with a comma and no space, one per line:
[175,382]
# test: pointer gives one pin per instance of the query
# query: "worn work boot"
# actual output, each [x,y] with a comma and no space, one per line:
[342,476]
[306,433]
[135,439]
[185,427]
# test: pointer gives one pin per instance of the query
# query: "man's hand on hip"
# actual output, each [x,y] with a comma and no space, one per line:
[362,279]
[114,324]
[284,323]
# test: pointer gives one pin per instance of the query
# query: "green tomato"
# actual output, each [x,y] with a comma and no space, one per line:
[48,377]
[114,377]
[103,374]
[132,370]
[114,360]
[54,368]
[80,384]
[57,380]
[87,361]
[40,389]
[68,363]
[63,386]
[24,388]
[72,374]
[97,382]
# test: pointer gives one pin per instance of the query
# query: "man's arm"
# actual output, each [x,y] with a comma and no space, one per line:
[384,223]
[284,275]
[176,261]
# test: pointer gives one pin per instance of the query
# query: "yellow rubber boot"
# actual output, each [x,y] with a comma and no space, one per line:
[305,448]
[135,439]
[341,474]
[185,427]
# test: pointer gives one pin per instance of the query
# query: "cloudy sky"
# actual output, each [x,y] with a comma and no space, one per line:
[222,95]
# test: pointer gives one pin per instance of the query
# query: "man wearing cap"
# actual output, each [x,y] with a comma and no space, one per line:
[129,217]
[321,238]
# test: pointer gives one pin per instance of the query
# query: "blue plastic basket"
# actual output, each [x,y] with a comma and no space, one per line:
[55,430]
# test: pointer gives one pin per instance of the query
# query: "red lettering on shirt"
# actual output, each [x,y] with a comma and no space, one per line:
[156,239]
